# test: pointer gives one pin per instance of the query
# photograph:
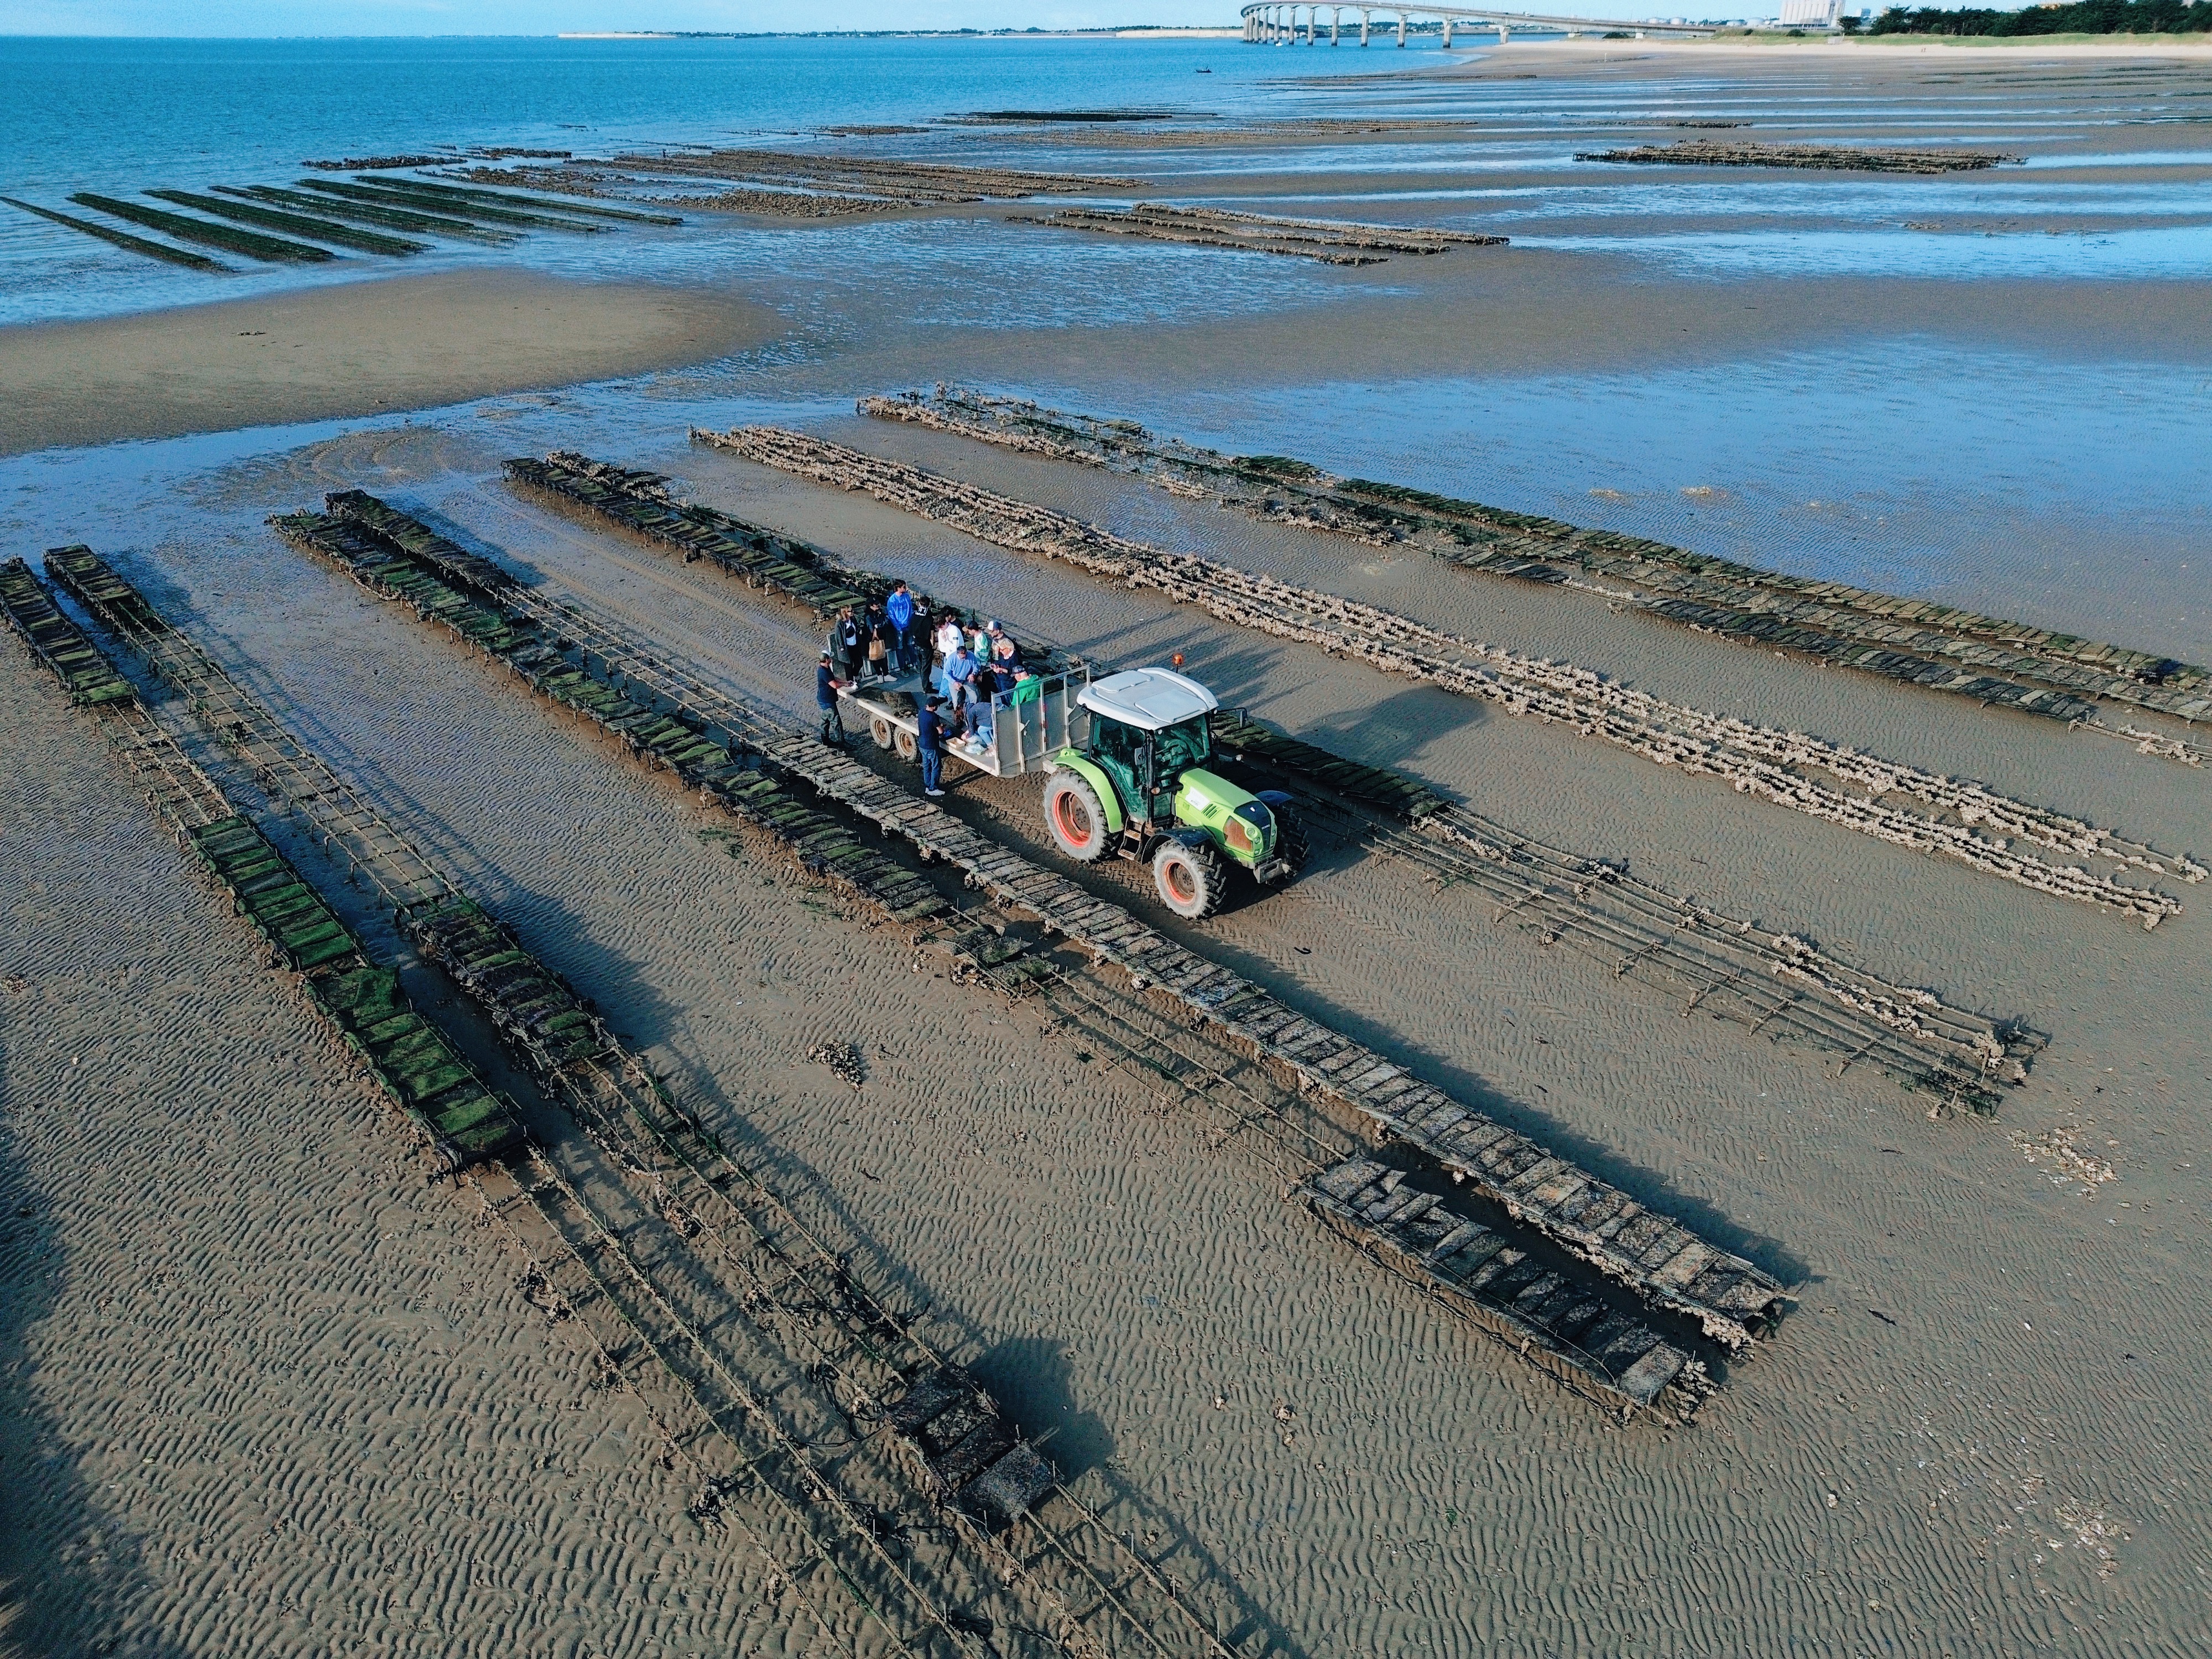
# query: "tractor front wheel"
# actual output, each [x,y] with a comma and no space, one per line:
[1291,843]
[1191,879]
[1075,817]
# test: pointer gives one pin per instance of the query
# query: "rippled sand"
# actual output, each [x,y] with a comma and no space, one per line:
[270,1390]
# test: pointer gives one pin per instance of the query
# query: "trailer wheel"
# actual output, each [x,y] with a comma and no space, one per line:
[1190,878]
[1074,817]
[905,744]
[880,729]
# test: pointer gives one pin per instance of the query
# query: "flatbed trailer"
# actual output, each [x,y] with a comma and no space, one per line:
[1025,734]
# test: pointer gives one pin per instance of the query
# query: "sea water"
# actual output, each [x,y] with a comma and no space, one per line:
[2041,479]
[118,116]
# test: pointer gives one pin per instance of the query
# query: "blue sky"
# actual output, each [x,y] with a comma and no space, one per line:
[240,18]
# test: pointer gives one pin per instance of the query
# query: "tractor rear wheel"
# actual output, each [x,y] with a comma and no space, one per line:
[1191,879]
[1075,817]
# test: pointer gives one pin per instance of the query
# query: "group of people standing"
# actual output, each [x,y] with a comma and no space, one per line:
[971,672]
[880,641]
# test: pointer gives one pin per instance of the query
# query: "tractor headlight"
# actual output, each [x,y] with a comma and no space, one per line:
[1248,828]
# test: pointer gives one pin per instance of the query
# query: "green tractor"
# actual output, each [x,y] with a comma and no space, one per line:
[1139,787]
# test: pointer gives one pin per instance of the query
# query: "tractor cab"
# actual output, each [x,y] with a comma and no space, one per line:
[1145,761]
[1139,784]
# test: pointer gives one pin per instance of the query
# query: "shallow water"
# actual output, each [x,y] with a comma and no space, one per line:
[119,117]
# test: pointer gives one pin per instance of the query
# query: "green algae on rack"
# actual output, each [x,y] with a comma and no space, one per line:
[364,242]
[366,213]
[639,501]
[1731,965]
[270,250]
[432,1085]
[89,676]
[1887,799]
[1658,1257]
[2033,669]
[123,239]
[376,189]
[866,1359]
[724,768]
[531,1006]
[464,195]
[411,1059]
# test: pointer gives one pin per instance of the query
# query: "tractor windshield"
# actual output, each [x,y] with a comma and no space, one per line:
[1176,748]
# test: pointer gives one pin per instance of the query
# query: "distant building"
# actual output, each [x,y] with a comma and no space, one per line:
[1810,14]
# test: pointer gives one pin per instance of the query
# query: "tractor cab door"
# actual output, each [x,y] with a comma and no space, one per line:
[1159,800]
[1124,755]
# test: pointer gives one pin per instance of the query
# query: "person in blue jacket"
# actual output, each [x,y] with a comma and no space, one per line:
[825,699]
[899,607]
[929,745]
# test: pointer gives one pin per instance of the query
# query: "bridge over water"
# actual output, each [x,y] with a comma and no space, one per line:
[1275,22]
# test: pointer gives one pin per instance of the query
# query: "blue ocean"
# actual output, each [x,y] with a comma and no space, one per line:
[118,116]
[121,116]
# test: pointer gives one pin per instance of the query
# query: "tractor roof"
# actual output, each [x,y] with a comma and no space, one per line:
[1147,698]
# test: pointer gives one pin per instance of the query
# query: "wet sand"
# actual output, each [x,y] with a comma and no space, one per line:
[281,1394]
[359,348]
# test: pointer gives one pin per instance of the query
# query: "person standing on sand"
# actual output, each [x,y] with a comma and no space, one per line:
[899,608]
[929,745]
[825,699]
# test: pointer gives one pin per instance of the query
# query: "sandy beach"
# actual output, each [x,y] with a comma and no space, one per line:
[357,349]
[274,1386]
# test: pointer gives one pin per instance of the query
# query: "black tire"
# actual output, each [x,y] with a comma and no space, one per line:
[1191,879]
[1074,817]
[905,744]
[880,729]
[1291,843]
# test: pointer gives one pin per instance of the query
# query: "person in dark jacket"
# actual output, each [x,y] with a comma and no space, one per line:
[929,743]
[982,691]
[889,660]
[848,643]
[825,699]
